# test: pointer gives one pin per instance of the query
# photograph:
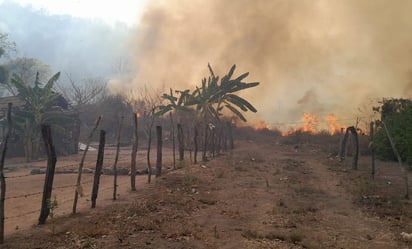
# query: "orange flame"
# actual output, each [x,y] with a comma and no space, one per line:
[262,125]
[310,125]
[334,127]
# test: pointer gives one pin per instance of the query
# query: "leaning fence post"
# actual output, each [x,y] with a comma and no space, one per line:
[116,159]
[342,153]
[2,178]
[99,166]
[80,170]
[51,165]
[159,151]
[396,152]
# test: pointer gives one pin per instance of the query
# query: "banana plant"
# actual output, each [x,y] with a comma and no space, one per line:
[174,103]
[39,108]
[213,96]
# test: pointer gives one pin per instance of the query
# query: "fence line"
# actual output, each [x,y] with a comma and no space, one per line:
[21,215]
[23,205]
[102,190]
[19,176]
[24,195]
[40,192]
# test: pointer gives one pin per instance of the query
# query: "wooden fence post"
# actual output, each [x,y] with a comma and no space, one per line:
[230,131]
[159,151]
[352,130]
[149,147]
[196,134]
[116,159]
[372,148]
[225,135]
[51,165]
[2,178]
[99,166]
[180,140]
[395,151]
[213,144]
[219,139]
[173,140]
[134,155]
[204,158]
[79,189]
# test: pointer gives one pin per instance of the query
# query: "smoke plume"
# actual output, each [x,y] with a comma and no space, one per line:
[325,56]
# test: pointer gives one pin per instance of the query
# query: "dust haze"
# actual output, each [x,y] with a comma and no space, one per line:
[310,56]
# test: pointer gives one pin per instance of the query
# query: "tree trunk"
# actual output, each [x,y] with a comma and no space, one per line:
[116,159]
[134,155]
[51,165]
[99,166]
[2,178]
[79,189]
[159,151]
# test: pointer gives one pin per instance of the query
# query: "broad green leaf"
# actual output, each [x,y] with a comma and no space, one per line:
[236,112]
[241,101]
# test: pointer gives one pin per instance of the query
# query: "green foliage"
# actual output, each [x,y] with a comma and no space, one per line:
[391,106]
[397,115]
[39,108]
[174,102]
[211,98]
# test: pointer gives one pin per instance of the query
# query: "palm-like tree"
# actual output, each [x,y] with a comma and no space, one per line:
[213,96]
[174,103]
[211,99]
[40,108]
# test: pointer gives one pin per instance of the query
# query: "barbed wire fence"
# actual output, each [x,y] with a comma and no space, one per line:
[25,198]
[25,203]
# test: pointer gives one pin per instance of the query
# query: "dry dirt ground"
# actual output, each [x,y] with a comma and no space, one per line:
[261,195]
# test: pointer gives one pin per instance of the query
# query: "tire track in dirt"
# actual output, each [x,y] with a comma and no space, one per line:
[333,220]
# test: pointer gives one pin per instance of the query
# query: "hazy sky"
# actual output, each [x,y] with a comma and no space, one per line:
[127,11]
[84,39]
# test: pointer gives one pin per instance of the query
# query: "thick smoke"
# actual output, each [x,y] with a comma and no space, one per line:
[325,56]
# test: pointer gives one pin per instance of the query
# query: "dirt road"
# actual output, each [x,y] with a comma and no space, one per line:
[261,195]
